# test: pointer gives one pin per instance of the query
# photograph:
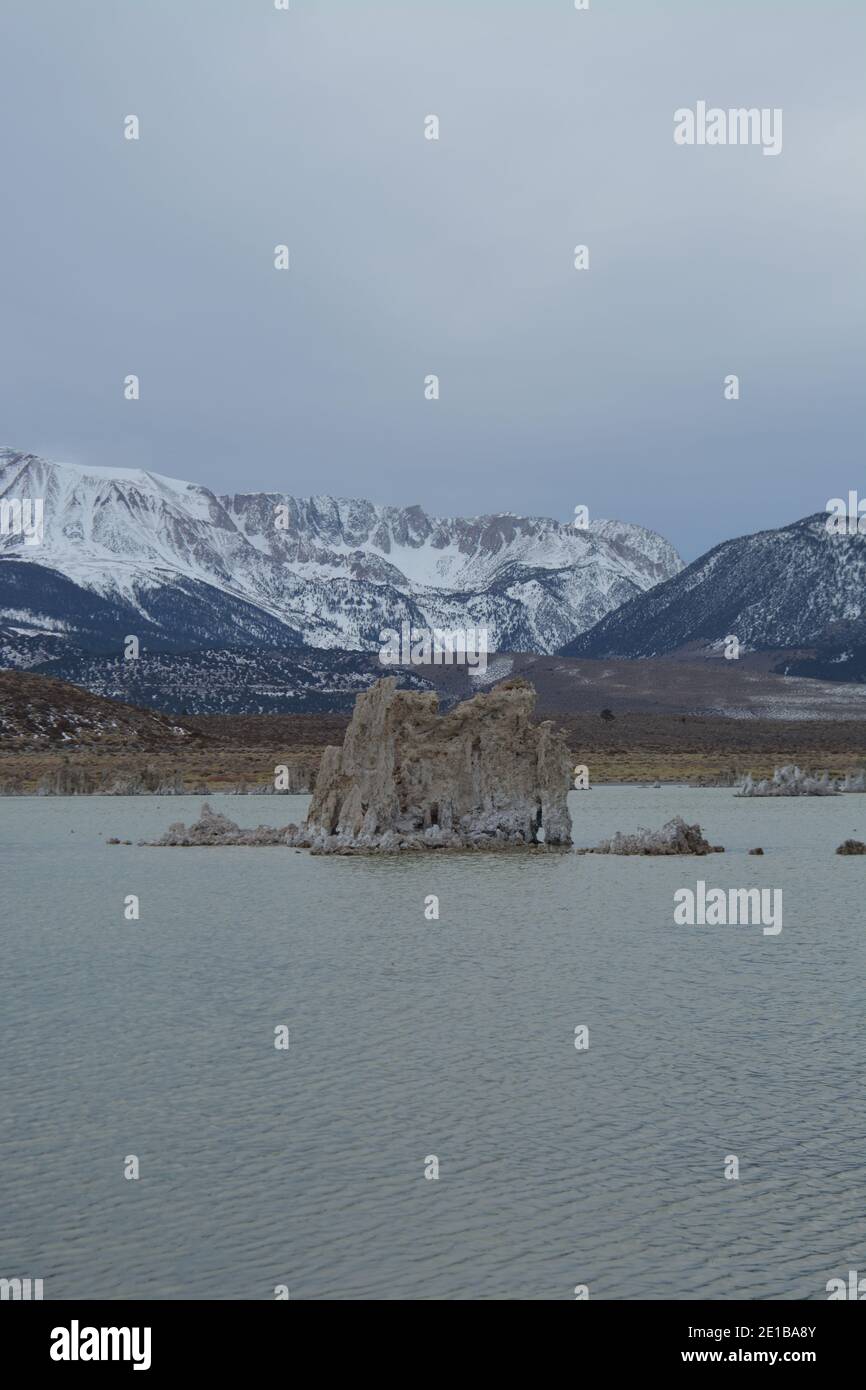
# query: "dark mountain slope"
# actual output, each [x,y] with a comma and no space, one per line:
[784,589]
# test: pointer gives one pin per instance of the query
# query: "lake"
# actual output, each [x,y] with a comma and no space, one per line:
[412,1038]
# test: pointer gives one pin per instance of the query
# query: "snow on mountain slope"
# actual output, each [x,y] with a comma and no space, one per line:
[790,588]
[197,568]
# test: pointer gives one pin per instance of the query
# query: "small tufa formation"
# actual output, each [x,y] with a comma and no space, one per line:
[789,780]
[674,838]
[72,780]
[67,781]
[146,783]
[212,828]
[852,847]
[482,776]
[756,851]
[730,777]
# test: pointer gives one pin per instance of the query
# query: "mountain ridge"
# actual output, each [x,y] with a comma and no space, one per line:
[318,571]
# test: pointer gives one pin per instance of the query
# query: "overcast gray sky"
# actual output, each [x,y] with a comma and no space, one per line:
[454,257]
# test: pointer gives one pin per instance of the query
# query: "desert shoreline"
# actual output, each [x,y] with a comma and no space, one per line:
[237,755]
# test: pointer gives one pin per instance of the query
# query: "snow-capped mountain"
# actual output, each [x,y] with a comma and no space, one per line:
[801,586]
[129,551]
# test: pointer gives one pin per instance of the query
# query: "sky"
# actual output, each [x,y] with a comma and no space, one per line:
[410,257]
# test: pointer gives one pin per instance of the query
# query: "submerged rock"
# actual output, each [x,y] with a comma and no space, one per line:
[789,780]
[482,776]
[676,837]
[852,847]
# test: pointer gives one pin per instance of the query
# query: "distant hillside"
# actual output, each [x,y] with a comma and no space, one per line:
[309,682]
[38,713]
[796,588]
[245,680]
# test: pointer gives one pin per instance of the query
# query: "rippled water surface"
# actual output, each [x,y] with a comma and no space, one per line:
[412,1038]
